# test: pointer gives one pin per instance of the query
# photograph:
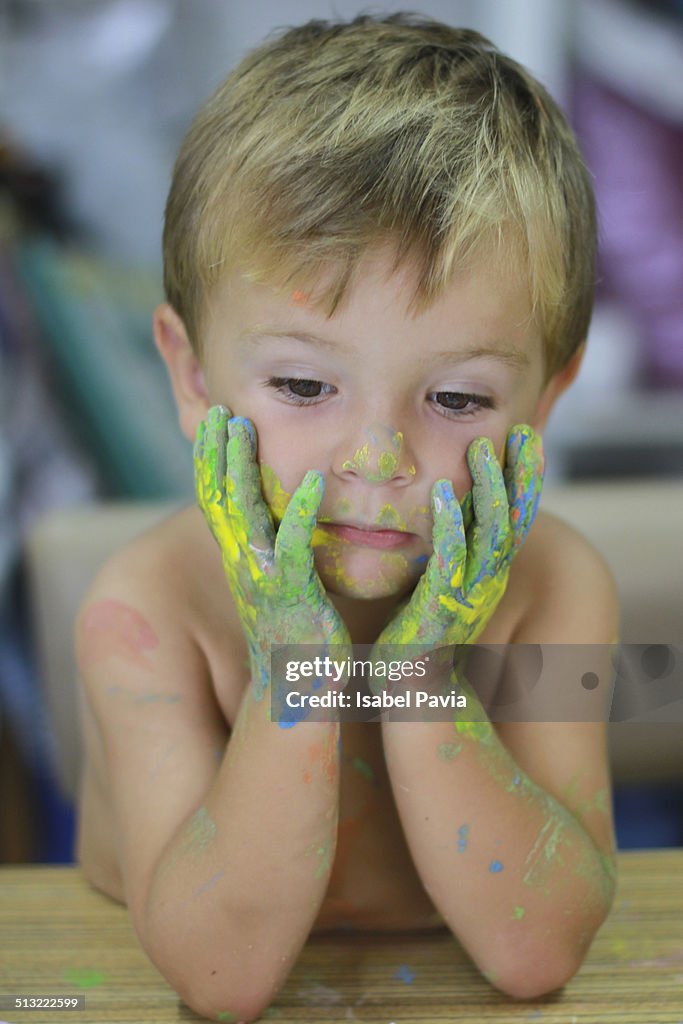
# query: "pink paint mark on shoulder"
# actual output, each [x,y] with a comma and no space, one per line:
[112,629]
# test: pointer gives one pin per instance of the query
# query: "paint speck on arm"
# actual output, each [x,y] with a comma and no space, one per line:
[495,867]
[463,832]
[447,751]
[518,913]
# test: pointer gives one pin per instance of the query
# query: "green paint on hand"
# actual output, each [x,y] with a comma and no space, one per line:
[479,731]
[84,978]
[518,913]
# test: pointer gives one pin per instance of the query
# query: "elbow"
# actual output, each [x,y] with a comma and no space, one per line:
[533,980]
[216,1003]
[233,988]
[532,970]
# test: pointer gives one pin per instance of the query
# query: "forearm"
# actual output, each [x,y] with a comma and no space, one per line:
[236,892]
[514,873]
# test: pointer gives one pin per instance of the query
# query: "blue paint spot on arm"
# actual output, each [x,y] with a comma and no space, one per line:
[495,867]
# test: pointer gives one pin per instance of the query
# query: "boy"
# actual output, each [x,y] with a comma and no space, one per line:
[379,249]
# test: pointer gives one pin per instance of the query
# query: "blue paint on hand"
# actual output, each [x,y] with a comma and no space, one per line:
[495,867]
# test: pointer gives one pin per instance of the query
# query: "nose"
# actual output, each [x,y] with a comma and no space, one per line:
[377,454]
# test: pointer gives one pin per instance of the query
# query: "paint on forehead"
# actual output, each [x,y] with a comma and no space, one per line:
[112,629]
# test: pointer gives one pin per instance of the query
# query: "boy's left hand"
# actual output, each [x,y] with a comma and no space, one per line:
[467,572]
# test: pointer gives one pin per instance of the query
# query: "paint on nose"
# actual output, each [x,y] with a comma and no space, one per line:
[378,459]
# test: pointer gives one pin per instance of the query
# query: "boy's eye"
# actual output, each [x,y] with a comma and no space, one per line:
[460,402]
[299,390]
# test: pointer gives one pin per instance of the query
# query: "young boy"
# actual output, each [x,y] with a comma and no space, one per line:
[379,260]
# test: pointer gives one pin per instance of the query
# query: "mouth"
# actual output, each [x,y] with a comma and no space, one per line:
[369,536]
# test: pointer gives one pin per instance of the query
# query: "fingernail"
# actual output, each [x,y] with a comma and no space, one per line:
[240,424]
[217,415]
[447,491]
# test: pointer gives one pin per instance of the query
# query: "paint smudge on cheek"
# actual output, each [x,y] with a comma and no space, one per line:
[112,629]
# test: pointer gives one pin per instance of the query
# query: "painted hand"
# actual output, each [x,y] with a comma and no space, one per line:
[279,596]
[467,572]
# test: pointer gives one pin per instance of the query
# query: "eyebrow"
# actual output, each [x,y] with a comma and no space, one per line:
[513,357]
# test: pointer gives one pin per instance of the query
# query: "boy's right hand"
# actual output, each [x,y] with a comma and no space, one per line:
[279,596]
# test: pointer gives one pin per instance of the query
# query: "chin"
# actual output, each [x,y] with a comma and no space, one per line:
[366,575]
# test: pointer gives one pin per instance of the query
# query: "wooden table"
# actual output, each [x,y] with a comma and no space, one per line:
[58,936]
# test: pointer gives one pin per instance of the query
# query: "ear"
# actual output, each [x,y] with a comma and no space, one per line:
[184,369]
[554,388]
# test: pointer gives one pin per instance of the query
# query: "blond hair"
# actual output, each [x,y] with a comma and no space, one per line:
[333,137]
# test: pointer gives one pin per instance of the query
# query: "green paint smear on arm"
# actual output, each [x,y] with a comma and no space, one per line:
[447,751]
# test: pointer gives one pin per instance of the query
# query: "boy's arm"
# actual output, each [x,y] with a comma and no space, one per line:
[226,870]
[510,827]
[225,852]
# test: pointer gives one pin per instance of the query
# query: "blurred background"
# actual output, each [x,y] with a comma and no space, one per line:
[95,96]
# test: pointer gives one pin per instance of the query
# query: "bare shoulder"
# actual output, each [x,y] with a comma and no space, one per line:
[570,595]
[164,588]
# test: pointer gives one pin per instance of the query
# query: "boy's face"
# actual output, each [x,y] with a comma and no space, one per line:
[381,402]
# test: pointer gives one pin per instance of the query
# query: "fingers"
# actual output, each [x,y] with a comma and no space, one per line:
[293,545]
[444,573]
[524,466]
[249,512]
[491,530]
[209,455]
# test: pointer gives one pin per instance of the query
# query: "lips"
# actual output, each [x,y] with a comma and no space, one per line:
[369,536]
